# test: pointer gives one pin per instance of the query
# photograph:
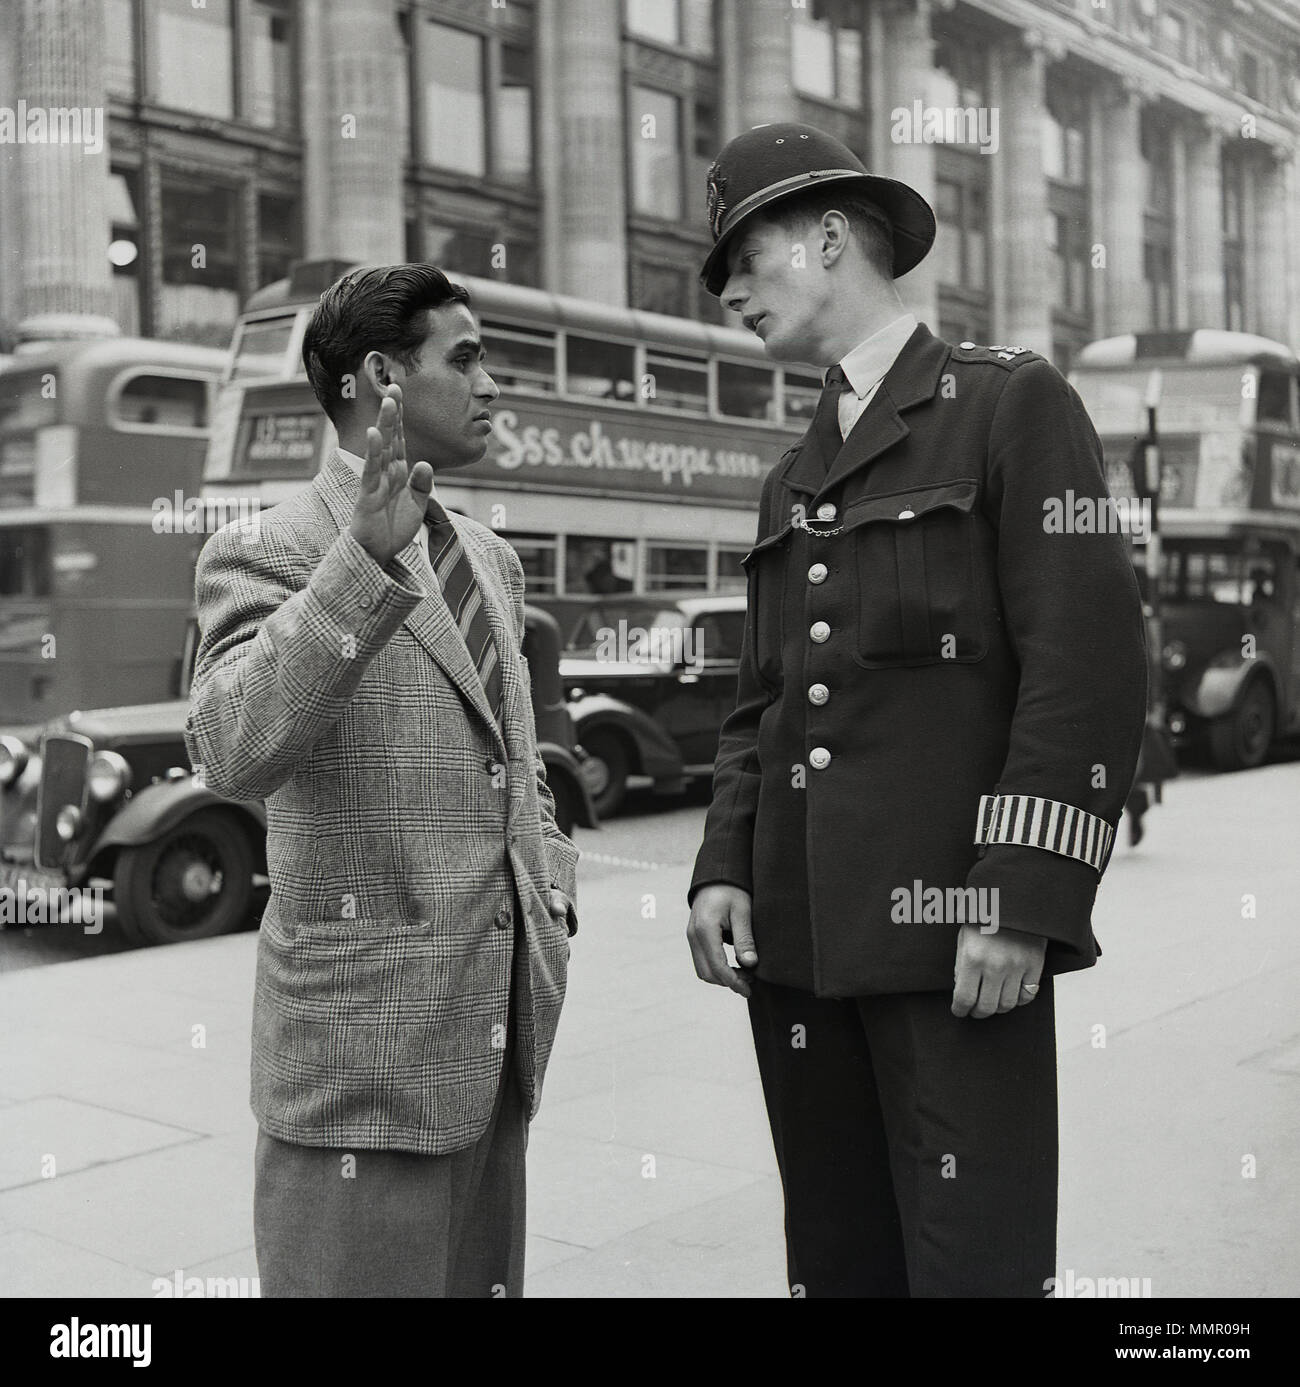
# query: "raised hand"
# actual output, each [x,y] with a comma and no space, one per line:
[391,505]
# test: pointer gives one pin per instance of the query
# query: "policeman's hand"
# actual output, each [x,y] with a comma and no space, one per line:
[390,509]
[721,914]
[991,968]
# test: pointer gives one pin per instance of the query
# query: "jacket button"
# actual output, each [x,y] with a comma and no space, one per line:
[906,514]
[826,511]
[818,694]
[819,758]
[364,602]
[819,631]
[817,573]
[503,919]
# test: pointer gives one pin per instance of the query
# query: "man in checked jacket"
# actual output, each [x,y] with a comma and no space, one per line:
[360,670]
[940,707]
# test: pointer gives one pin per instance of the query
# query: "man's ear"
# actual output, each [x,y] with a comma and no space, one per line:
[375,369]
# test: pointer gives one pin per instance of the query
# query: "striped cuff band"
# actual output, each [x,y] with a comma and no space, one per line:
[1031,822]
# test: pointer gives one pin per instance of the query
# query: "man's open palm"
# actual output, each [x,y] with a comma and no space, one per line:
[394,495]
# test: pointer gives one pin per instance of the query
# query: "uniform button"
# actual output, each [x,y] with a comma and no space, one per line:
[818,694]
[826,511]
[819,758]
[817,573]
[966,346]
[503,919]
[906,514]
[819,631]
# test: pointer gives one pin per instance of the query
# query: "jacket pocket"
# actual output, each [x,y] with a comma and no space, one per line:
[765,570]
[918,587]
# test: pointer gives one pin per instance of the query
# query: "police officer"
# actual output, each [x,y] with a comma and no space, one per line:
[941,701]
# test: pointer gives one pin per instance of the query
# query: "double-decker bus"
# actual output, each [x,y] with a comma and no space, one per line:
[628,448]
[101,449]
[1227,426]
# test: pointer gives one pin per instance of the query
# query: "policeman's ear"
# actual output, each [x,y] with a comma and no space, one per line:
[835,236]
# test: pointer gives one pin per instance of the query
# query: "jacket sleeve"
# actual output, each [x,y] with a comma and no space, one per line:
[1074,619]
[283,651]
[727,852]
[562,854]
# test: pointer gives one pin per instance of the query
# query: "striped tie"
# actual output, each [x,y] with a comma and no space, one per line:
[460,590]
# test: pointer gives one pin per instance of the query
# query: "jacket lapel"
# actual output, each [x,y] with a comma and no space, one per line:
[430,622]
[913,377]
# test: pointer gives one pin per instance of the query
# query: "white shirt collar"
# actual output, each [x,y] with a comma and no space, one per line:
[869,362]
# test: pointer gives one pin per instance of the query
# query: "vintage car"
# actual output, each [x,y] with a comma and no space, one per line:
[110,794]
[650,680]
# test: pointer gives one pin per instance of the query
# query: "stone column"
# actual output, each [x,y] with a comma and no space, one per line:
[1202,229]
[907,65]
[1268,254]
[1119,200]
[1019,213]
[59,173]
[353,164]
[765,90]
[589,214]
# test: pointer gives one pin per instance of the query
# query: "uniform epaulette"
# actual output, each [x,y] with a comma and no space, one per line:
[1008,357]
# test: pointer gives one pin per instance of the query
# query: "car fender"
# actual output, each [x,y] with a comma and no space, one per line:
[1225,677]
[157,809]
[560,761]
[657,755]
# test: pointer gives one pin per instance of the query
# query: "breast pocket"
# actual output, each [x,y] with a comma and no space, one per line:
[918,584]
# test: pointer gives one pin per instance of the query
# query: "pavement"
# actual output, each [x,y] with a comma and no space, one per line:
[127,1149]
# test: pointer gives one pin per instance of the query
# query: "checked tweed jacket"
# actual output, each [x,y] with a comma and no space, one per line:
[403,832]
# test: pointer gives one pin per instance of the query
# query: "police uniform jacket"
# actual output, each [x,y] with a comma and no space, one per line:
[939,646]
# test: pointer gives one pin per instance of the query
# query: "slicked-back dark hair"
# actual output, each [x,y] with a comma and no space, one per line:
[869,223]
[382,309]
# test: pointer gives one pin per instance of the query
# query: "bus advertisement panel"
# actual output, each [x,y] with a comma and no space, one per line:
[1227,416]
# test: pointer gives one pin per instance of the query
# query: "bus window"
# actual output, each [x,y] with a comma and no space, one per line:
[1276,403]
[520,358]
[25,561]
[802,391]
[606,370]
[537,554]
[1228,577]
[746,392]
[28,400]
[165,403]
[677,381]
[261,347]
[676,566]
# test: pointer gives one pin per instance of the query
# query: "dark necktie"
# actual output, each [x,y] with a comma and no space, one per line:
[826,421]
[460,589]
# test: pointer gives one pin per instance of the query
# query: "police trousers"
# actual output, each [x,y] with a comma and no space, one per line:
[918,1151]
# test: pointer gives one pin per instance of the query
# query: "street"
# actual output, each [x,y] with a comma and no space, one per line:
[650,1164]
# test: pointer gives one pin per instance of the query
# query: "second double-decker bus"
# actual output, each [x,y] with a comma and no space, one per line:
[1227,426]
[101,452]
[628,448]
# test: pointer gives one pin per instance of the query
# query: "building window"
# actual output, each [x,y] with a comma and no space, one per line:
[1157,268]
[279,241]
[455,127]
[514,126]
[1065,139]
[656,153]
[1233,183]
[826,53]
[661,288]
[962,240]
[963,61]
[272,96]
[1157,250]
[1069,249]
[194,62]
[1173,35]
[200,299]
[119,47]
[660,21]
[476,251]
[124,250]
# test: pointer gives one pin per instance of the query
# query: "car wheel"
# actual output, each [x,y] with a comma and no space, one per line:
[606,770]
[194,882]
[566,803]
[1242,739]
